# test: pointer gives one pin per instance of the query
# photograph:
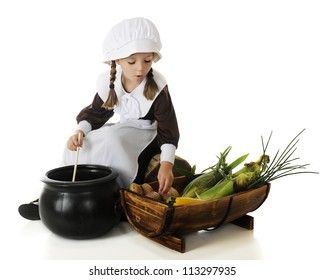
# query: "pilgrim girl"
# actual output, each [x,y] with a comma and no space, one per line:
[139,95]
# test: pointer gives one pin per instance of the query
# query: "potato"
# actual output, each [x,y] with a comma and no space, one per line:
[146,188]
[154,195]
[171,193]
[136,188]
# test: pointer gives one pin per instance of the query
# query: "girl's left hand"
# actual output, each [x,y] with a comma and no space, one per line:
[165,177]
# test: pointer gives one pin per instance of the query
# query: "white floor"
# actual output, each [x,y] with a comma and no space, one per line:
[288,226]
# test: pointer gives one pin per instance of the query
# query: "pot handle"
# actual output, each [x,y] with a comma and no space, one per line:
[118,209]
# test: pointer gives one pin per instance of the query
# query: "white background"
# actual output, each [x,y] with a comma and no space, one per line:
[236,70]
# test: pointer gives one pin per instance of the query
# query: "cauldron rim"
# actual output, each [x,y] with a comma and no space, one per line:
[69,185]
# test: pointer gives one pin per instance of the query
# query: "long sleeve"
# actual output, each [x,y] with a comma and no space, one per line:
[162,110]
[95,114]
[165,116]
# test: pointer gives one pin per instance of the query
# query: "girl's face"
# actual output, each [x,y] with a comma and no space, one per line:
[135,67]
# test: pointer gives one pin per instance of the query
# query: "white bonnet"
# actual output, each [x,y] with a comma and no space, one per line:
[131,36]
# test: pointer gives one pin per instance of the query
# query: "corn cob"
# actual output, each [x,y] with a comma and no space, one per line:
[206,180]
[244,179]
[221,189]
[209,179]
[200,184]
[254,166]
[238,181]
[186,200]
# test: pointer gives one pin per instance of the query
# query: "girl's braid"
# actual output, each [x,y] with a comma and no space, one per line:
[151,87]
[112,97]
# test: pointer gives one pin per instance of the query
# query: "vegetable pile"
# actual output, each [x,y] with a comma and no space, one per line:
[220,180]
[148,191]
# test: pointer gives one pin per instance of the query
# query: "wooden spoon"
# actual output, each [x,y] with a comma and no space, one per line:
[76,162]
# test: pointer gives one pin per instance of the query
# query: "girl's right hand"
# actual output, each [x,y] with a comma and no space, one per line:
[73,142]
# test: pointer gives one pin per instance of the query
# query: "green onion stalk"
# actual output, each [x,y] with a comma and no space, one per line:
[283,164]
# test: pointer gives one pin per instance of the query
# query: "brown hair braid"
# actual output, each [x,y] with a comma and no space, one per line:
[151,87]
[112,97]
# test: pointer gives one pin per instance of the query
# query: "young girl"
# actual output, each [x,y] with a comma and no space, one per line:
[139,95]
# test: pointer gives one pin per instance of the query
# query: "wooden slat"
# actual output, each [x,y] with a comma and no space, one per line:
[176,243]
[245,221]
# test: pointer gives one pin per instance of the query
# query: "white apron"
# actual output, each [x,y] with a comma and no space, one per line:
[119,145]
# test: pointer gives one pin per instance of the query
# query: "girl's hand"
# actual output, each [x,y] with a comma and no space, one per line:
[73,142]
[165,177]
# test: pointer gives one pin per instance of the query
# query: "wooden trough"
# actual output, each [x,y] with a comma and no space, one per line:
[167,224]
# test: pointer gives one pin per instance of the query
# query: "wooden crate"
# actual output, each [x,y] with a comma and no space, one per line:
[166,224]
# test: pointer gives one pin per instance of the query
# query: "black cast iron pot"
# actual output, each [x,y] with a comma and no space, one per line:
[86,208]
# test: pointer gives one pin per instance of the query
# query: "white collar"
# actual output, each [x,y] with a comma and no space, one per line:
[135,104]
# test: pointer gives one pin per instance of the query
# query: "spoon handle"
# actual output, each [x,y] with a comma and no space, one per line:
[76,162]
